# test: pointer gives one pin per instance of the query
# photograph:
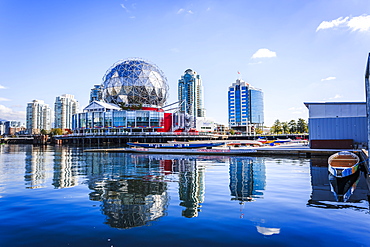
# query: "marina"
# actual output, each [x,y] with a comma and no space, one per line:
[300,149]
[138,199]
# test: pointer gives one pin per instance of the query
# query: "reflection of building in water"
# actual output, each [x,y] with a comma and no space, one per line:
[321,190]
[36,164]
[191,186]
[247,177]
[131,188]
[8,167]
[190,172]
[65,172]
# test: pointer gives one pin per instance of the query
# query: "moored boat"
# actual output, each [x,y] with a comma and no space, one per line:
[343,164]
[177,145]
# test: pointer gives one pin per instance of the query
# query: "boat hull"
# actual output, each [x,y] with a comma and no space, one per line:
[343,164]
[192,151]
[175,145]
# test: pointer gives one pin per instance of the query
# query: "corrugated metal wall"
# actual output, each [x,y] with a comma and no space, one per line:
[338,128]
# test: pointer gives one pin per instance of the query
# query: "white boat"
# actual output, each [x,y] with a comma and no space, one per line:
[216,151]
[176,145]
[343,164]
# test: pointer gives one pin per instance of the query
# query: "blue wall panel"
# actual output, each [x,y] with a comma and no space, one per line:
[338,128]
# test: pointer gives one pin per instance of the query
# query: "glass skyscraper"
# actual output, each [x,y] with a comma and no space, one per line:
[190,93]
[245,106]
[96,93]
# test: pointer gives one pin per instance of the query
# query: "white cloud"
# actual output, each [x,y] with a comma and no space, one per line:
[329,78]
[259,62]
[180,11]
[263,53]
[341,21]
[337,96]
[357,23]
[360,23]
[2,87]
[4,99]
[124,7]
[8,114]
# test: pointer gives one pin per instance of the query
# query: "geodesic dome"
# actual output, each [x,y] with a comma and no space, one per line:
[135,81]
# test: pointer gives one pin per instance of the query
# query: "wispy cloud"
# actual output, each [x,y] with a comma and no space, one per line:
[9,114]
[329,78]
[259,62]
[264,53]
[2,87]
[358,23]
[128,11]
[125,8]
[337,96]
[180,11]
[4,99]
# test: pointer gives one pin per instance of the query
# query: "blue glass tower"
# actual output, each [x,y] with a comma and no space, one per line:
[245,106]
[190,93]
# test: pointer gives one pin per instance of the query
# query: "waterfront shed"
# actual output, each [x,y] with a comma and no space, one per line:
[337,124]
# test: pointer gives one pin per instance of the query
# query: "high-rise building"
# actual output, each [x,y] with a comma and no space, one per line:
[245,106]
[190,93]
[96,93]
[65,106]
[38,117]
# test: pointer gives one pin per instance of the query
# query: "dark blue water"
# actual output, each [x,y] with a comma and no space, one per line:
[61,196]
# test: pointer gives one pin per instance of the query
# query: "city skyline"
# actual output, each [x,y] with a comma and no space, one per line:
[295,51]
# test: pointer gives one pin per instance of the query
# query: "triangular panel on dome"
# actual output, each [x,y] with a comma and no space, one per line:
[127,89]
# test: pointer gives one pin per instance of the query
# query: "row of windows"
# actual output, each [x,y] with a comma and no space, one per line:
[118,119]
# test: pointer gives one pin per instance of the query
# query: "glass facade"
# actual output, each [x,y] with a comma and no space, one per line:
[256,106]
[118,119]
[190,93]
[245,105]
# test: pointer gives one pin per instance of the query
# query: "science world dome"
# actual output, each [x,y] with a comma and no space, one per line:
[135,81]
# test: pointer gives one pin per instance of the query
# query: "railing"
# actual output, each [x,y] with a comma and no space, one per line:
[132,134]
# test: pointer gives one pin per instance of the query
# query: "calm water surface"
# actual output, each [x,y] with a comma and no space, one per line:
[61,196]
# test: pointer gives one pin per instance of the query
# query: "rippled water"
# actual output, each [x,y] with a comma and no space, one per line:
[61,196]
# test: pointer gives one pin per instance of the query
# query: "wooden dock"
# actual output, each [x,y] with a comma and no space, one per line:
[299,150]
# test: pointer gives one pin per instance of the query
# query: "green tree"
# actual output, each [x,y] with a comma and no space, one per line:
[302,126]
[292,126]
[43,132]
[259,131]
[276,127]
[56,131]
[285,127]
[232,132]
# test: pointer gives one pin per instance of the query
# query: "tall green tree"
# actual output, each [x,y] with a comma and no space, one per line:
[276,128]
[285,127]
[302,126]
[292,126]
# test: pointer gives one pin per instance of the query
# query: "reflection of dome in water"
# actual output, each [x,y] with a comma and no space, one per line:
[135,81]
[130,203]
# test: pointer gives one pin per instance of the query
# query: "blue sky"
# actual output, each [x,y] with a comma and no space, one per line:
[295,51]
